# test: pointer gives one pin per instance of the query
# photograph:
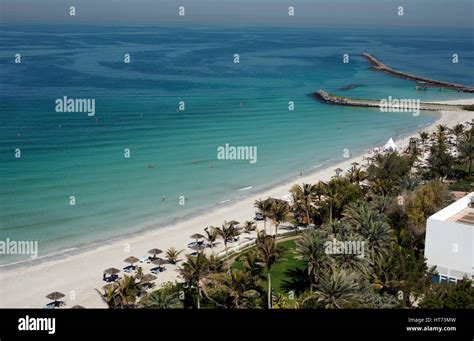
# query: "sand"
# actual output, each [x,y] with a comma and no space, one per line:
[77,275]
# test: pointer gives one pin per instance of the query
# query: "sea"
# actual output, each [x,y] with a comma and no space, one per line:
[167,97]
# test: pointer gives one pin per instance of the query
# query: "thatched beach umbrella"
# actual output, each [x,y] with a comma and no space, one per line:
[131,260]
[155,252]
[338,171]
[198,247]
[197,236]
[77,307]
[55,296]
[158,262]
[355,164]
[111,271]
[148,278]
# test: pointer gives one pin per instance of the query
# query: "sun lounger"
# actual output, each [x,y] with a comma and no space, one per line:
[129,268]
[112,278]
[55,304]
[157,270]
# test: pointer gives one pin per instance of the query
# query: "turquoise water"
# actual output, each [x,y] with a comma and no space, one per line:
[66,154]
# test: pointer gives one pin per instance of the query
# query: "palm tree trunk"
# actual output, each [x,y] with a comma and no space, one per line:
[269,279]
[330,212]
[198,298]
[265,223]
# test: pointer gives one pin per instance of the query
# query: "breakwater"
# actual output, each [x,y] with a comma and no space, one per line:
[387,104]
[377,65]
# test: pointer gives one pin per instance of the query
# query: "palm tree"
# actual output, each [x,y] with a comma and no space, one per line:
[122,294]
[424,137]
[356,175]
[311,249]
[193,270]
[458,131]
[441,129]
[215,264]
[263,207]
[269,254]
[227,231]
[160,299]
[251,264]
[303,197]
[319,190]
[330,196]
[337,288]
[238,286]
[279,213]
[172,255]
[212,235]
[359,214]
[371,225]
[110,296]
[249,226]
[466,149]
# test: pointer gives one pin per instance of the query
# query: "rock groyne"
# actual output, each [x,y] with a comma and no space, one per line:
[377,65]
[386,104]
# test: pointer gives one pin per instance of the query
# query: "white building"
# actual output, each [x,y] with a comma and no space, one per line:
[450,240]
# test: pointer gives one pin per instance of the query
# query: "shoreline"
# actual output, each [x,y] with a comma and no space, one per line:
[150,227]
[79,272]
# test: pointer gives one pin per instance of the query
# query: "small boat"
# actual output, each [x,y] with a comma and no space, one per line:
[151,165]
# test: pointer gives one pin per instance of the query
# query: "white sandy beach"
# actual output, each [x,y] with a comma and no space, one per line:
[78,275]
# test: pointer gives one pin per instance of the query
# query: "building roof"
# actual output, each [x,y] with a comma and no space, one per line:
[466,216]
[460,211]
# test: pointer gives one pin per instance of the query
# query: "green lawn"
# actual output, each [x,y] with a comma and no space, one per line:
[463,184]
[277,272]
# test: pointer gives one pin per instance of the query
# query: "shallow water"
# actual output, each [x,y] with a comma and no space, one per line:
[245,104]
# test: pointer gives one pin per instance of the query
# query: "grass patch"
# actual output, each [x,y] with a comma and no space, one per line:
[469,107]
[463,185]
[288,261]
